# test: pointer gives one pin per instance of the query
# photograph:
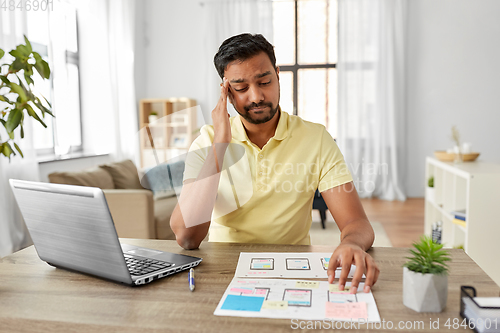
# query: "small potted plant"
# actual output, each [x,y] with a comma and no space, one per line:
[430,192]
[153,116]
[425,277]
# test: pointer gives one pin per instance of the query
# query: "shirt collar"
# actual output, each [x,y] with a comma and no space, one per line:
[281,130]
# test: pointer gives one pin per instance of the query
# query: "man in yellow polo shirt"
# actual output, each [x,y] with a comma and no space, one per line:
[252,178]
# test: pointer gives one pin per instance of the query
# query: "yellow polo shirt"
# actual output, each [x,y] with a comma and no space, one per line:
[265,195]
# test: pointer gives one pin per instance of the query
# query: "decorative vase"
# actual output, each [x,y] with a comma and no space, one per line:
[430,194]
[459,158]
[424,292]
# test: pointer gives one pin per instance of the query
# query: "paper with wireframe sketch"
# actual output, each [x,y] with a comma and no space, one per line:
[305,265]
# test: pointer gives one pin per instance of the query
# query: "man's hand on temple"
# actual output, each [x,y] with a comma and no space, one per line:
[220,117]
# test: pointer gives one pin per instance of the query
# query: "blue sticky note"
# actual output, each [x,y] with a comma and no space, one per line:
[242,303]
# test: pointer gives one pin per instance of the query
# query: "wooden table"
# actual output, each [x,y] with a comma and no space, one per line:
[37,297]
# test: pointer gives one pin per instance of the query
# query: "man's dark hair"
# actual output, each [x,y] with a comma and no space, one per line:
[242,47]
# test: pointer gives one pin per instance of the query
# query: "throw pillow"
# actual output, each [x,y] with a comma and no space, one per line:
[124,174]
[95,177]
[165,180]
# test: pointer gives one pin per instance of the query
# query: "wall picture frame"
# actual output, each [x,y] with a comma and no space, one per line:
[179,118]
[179,140]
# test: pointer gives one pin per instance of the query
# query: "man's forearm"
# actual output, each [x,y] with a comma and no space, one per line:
[190,220]
[358,232]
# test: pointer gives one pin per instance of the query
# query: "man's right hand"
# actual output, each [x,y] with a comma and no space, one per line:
[220,116]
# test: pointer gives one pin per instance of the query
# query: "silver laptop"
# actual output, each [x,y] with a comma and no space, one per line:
[72,228]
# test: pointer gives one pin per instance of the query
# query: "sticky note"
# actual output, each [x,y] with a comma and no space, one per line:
[259,291]
[346,310]
[307,284]
[242,303]
[275,305]
[241,290]
[248,282]
[334,288]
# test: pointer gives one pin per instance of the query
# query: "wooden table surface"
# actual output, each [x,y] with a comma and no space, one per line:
[36,297]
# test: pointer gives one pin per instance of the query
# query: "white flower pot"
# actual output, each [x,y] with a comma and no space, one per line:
[152,118]
[424,292]
[430,194]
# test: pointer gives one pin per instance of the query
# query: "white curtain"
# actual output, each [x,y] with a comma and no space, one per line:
[226,18]
[109,106]
[121,44]
[371,71]
[13,232]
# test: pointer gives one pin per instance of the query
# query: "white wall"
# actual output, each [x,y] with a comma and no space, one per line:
[453,79]
[169,50]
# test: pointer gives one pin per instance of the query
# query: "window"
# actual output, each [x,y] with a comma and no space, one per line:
[54,35]
[305,40]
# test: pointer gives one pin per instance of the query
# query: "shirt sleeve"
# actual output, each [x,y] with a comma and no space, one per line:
[198,153]
[333,170]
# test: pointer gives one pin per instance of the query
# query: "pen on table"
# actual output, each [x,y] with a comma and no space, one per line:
[191,279]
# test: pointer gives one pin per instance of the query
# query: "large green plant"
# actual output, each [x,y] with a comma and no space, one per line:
[429,257]
[17,94]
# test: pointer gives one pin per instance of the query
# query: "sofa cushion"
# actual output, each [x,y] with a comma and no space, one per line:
[177,172]
[95,177]
[124,175]
[165,180]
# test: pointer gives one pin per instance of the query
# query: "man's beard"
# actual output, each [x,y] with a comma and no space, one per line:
[248,117]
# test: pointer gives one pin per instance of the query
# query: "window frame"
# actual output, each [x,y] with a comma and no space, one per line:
[70,58]
[43,50]
[74,59]
[294,69]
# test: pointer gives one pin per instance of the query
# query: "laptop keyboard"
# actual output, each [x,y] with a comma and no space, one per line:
[144,266]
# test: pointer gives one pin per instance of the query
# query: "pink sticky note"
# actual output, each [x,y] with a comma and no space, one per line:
[241,290]
[346,310]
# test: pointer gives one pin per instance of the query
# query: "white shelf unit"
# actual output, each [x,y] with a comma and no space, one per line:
[475,187]
[171,134]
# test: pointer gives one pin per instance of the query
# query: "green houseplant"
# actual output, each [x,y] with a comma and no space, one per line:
[430,182]
[425,277]
[17,98]
[429,191]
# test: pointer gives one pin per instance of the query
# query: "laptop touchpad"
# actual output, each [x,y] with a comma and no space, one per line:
[144,252]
